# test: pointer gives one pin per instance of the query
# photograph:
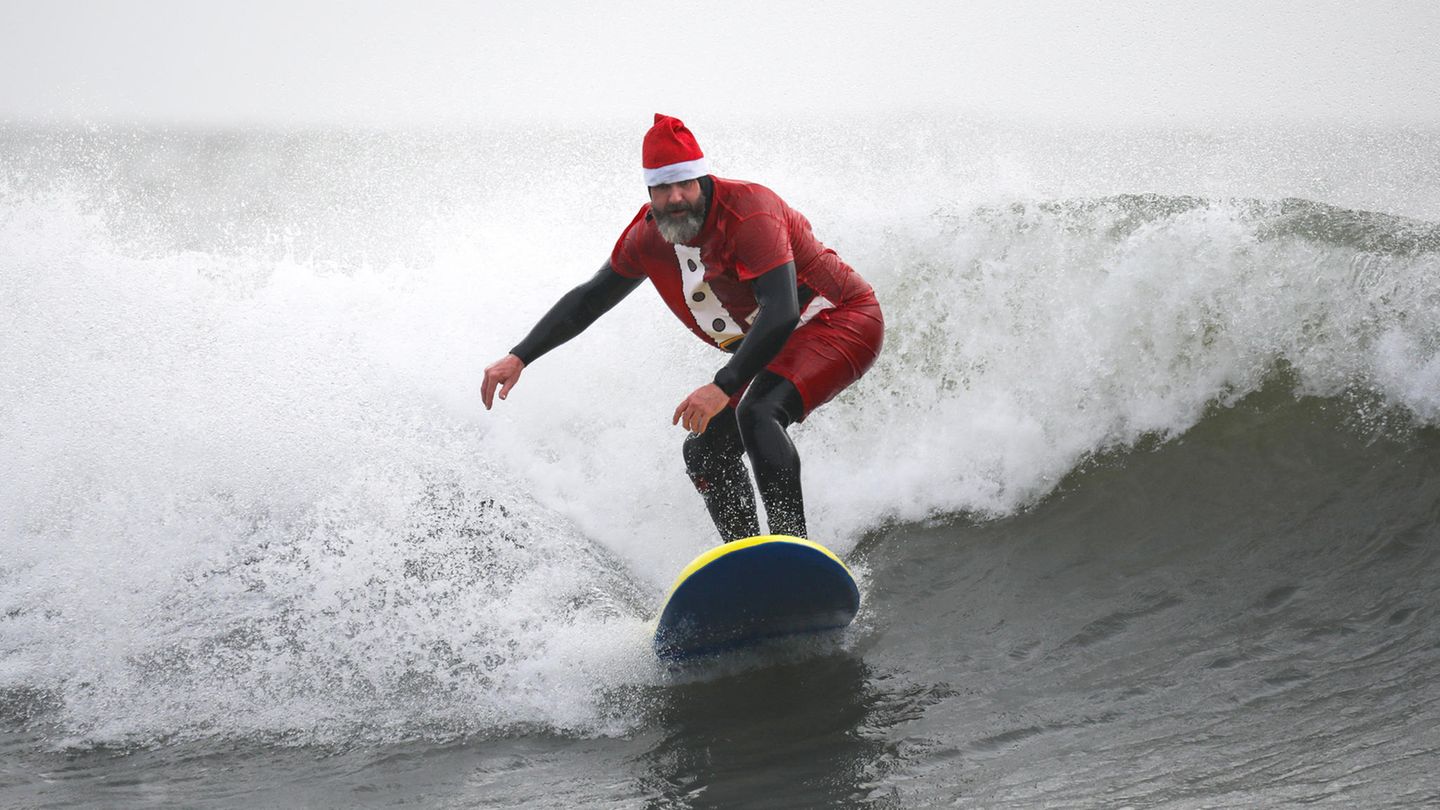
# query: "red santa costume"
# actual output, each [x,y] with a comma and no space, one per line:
[748,230]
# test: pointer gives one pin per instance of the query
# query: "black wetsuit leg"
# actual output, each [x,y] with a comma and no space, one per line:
[713,459]
[768,407]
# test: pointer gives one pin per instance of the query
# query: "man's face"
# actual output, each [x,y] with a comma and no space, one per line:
[679,210]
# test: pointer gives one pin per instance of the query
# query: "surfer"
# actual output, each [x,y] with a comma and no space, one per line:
[743,271]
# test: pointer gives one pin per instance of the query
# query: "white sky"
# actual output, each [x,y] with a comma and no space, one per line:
[301,62]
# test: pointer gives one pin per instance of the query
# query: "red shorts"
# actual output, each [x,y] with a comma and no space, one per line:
[829,352]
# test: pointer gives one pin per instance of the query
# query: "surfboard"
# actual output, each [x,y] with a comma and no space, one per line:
[754,589]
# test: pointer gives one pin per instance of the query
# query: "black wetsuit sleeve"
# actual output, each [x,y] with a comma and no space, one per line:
[574,312]
[779,313]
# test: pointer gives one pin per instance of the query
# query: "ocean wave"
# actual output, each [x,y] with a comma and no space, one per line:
[1025,338]
[251,492]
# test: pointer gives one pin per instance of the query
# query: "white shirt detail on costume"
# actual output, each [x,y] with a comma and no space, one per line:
[712,318]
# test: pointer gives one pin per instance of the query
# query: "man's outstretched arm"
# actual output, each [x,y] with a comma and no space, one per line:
[570,316]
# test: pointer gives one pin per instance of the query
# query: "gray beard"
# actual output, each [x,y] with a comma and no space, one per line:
[681,227]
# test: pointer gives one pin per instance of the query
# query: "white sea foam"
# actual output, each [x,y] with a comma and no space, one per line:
[232,503]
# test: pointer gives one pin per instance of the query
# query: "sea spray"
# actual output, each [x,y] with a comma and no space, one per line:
[226,513]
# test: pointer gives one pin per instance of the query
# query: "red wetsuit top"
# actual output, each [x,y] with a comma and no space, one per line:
[748,230]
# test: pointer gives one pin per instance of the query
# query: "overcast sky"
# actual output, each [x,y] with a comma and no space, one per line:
[306,62]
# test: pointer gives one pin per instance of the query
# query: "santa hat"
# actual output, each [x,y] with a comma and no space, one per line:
[671,154]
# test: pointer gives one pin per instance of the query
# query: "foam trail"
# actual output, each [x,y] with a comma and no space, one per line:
[228,508]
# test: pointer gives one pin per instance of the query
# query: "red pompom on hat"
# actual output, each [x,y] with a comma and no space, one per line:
[671,153]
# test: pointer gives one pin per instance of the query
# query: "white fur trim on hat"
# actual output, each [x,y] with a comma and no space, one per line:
[676,172]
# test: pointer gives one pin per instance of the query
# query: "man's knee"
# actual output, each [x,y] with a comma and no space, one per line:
[769,401]
[754,412]
[703,451]
[697,453]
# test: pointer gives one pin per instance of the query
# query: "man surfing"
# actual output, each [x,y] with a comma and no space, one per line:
[743,271]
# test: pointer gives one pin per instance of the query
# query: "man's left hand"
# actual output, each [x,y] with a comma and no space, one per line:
[696,411]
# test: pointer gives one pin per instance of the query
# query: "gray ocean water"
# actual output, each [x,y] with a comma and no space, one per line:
[1143,495]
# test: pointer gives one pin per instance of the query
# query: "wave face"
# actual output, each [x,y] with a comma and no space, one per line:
[1035,335]
[249,490]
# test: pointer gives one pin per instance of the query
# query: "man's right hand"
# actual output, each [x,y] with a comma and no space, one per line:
[504,373]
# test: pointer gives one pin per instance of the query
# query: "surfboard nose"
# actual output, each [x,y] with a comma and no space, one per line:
[755,589]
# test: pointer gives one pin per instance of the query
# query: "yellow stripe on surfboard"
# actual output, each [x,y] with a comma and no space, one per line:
[739,545]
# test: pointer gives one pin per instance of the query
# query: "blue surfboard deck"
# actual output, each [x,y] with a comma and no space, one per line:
[751,590]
